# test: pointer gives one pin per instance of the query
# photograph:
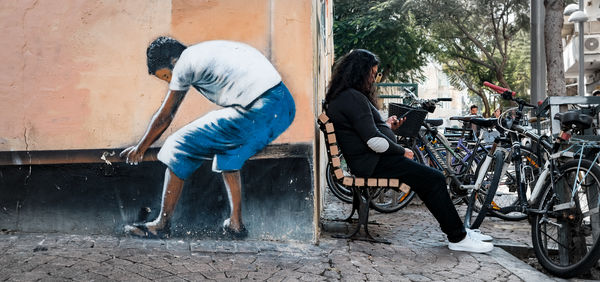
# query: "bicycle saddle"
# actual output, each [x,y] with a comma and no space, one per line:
[434,121]
[484,122]
[575,119]
[467,118]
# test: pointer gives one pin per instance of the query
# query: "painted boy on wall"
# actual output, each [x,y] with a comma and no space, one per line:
[257,107]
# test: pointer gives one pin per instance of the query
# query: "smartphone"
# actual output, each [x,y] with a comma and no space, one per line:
[403,115]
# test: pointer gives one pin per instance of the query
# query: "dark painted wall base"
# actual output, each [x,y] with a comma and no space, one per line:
[100,199]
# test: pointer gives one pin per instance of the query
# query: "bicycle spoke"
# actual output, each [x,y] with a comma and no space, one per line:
[551,238]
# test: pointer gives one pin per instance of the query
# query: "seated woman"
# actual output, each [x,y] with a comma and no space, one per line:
[370,150]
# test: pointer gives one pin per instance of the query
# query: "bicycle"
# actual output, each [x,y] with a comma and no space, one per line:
[464,183]
[506,192]
[563,205]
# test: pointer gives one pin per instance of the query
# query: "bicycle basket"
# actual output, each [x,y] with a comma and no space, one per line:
[414,119]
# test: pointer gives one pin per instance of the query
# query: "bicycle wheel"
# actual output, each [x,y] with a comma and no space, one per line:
[484,195]
[507,194]
[565,233]
[389,201]
[340,191]
[454,191]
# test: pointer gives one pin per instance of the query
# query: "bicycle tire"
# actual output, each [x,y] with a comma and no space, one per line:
[552,255]
[387,201]
[455,195]
[338,190]
[486,192]
[390,201]
[507,194]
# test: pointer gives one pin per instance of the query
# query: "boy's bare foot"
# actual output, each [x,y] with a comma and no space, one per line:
[149,230]
[234,232]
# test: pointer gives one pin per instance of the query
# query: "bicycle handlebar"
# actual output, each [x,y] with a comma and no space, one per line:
[421,101]
[507,94]
[498,89]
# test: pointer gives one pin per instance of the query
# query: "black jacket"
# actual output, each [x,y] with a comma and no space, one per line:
[356,121]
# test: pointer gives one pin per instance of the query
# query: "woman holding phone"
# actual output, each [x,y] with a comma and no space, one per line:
[370,150]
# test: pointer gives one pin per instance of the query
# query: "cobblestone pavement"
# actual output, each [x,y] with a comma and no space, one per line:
[418,253]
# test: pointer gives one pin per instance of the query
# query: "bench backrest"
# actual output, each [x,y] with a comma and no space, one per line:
[334,155]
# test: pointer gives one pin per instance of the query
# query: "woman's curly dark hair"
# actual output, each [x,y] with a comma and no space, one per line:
[353,71]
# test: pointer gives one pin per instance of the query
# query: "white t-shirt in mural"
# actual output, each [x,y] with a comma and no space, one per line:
[226,72]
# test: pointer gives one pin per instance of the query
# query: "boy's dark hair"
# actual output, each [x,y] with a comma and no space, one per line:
[352,71]
[474,106]
[161,52]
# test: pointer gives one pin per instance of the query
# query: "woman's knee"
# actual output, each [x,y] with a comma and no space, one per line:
[438,176]
[433,175]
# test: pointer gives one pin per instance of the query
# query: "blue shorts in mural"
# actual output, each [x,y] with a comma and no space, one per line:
[230,135]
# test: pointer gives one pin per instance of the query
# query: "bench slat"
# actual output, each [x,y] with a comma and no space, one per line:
[329,128]
[394,182]
[333,150]
[336,162]
[348,181]
[323,118]
[339,173]
[359,182]
[371,182]
[404,188]
[331,138]
[382,182]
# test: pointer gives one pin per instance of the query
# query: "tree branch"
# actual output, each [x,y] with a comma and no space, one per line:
[474,40]
[476,61]
[496,27]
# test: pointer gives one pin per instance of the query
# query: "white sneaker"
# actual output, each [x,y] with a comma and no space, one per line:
[468,244]
[477,235]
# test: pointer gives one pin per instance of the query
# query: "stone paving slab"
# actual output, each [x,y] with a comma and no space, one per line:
[80,258]
[418,253]
[332,259]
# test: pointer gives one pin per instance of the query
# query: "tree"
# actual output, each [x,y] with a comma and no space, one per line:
[474,39]
[386,28]
[553,23]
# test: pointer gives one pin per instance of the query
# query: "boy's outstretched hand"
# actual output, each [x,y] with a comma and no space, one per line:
[133,155]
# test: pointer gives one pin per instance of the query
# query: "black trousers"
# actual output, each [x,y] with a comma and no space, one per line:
[430,185]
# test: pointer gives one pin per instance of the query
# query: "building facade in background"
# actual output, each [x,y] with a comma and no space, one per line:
[591,49]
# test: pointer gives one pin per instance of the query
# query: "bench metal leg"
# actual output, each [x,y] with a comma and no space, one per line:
[360,203]
[355,207]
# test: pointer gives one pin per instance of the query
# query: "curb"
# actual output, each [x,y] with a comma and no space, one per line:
[518,267]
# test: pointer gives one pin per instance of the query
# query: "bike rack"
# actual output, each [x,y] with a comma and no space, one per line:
[552,105]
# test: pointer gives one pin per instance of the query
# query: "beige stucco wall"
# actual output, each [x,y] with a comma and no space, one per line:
[75,74]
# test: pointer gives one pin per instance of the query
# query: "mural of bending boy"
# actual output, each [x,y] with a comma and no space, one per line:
[257,107]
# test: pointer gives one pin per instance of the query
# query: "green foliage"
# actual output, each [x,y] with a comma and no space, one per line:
[479,40]
[518,69]
[386,28]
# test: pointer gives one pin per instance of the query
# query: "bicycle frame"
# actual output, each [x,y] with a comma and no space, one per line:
[440,163]
[553,153]
[563,243]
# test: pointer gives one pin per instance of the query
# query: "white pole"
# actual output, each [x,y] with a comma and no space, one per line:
[580,80]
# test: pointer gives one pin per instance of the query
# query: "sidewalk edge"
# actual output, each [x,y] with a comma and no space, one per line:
[518,267]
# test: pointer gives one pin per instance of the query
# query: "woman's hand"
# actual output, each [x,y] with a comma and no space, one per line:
[408,153]
[133,154]
[393,122]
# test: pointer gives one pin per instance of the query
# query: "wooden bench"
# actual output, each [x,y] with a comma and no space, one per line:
[363,189]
